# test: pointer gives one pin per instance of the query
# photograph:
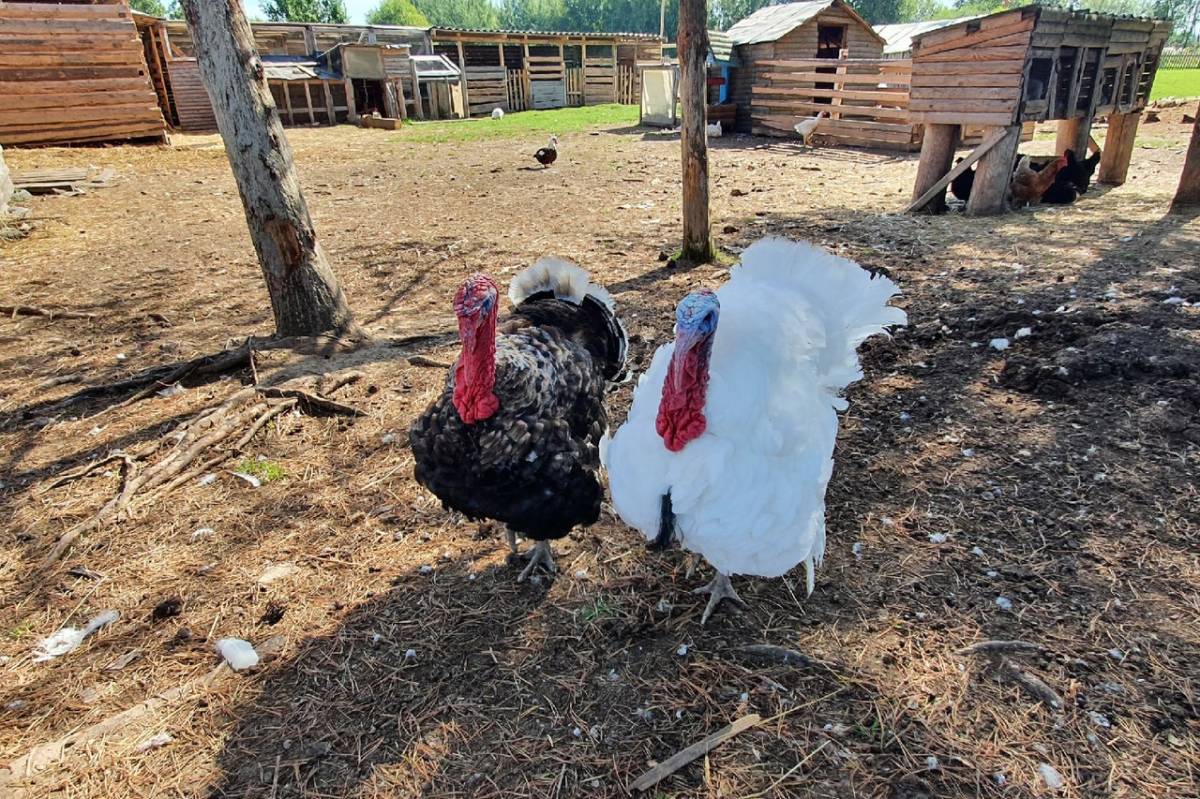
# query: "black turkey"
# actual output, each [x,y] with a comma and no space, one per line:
[515,435]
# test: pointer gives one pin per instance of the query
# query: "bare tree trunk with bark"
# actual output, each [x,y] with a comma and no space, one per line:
[693,52]
[306,297]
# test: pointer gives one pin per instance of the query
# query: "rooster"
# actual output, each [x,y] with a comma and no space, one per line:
[515,434]
[1028,184]
[807,127]
[549,154]
[729,442]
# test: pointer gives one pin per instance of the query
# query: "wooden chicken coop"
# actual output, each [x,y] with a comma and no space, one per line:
[1030,64]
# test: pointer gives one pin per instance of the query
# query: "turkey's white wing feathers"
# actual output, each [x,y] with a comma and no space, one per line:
[749,494]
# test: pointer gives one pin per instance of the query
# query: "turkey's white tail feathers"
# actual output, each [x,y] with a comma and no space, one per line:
[567,281]
[851,303]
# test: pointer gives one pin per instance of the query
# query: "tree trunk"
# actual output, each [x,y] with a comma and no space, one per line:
[306,297]
[1188,194]
[693,51]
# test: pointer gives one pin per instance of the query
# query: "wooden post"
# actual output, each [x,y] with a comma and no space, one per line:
[351,110]
[306,298]
[1188,193]
[526,81]
[417,106]
[989,193]
[312,118]
[462,79]
[1118,147]
[329,103]
[693,50]
[617,77]
[1073,134]
[839,83]
[287,101]
[937,157]
[401,101]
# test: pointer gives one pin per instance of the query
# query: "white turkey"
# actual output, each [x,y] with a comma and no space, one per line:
[729,442]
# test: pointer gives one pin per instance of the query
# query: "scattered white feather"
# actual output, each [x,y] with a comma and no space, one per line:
[239,654]
[68,639]
[857,550]
[1099,719]
[1023,332]
[977,552]
[682,650]
[932,763]
[207,479]
[998,344]
[171,390]
[121,356]
[249,478]
[968,453]
[938,538]
[1174,301]
[1004,603]
[95,431]
[202,532]
[162,739]
[276,572]
[1050,776]
[426,569]
[410,654]
[387,438]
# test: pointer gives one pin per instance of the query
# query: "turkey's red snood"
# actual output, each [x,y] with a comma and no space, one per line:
[475,374]
[681,412]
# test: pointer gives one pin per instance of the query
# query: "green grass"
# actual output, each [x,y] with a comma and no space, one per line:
[522,125]
[598,611]
[1176,83]
[265,471]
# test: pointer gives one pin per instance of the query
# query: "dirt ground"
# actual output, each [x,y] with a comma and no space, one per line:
[1046,492]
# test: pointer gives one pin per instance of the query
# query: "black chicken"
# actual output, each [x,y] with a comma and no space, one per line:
[515,435]
[549,154]
[960,187]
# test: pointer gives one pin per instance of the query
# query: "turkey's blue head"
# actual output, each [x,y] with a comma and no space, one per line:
[475,305]
[681,412]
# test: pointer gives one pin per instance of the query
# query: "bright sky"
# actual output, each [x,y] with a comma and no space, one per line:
[357,9]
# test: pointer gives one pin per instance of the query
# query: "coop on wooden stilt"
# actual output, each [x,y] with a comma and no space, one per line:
[1030,64]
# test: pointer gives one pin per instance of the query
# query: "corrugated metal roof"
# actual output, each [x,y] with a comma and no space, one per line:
[721,47]
[899,37]
[773,22]
[545,34]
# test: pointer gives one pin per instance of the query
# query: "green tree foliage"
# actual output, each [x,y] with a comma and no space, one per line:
[306,10]
[396,12]
[459,13]
[533,15]
[152,7]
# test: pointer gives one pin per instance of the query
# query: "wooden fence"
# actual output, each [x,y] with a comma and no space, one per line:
[516,90]
[628,88]
[1180,60]
[867,100]
[575,86]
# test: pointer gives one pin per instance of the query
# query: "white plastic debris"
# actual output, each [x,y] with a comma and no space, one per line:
[202,532]
[68,639]
[682,650]
[276,572]
[239,654]
[1004,603]
[857,550]
[938,538]
[1023,332]
[249,478]
[1050,776]
[162,739]
[171,391]
[207,479]
[998,344]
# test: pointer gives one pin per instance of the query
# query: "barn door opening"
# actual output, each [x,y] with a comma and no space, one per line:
[831,40]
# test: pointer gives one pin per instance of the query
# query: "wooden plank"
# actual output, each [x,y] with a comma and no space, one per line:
[926,94]
[899,99]
[142,110]
[82,99]
[886,64]
[82,134]
[71,73]
[812,109]
[981,36]
[312,119]
[329,109]
[1009,81]
[953,32]
[849,79]
[80,86]
[133,57]
[955,118]
[879,132]
[59,27]
[976,106]
[1015,66]
[64,11]
[974,55]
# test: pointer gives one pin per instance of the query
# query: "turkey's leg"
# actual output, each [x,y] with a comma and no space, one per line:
[510,535]
[540,554]
[720,588]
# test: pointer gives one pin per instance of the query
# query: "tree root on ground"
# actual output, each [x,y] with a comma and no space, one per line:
[13,311]
[1007,669]
[243,414]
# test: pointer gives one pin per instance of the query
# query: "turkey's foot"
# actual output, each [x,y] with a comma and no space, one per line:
[539,555]
[720,588]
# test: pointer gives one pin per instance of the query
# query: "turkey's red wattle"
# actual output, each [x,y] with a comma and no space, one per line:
[475,373]
[681,412]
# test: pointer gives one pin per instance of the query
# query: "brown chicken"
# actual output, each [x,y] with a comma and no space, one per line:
[1028,185]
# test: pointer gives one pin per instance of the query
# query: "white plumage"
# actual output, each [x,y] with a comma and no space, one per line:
[497,113]
[713,129]
[566,280]
[749,493]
